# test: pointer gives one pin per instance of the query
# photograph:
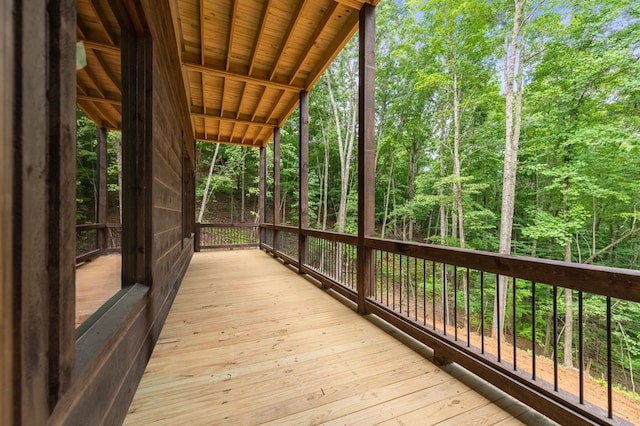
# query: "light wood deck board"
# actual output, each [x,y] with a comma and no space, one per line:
[249,341]
[96,282]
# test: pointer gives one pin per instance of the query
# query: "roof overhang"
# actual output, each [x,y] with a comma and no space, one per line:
[244,62]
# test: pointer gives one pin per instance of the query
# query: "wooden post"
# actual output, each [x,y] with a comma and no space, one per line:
[9,368]
[101,199]
[303,172]
[196,238]
[276,186]
[137,230]
[366,151]
[37,207]
[262,192]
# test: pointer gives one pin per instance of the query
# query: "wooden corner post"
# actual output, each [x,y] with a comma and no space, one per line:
[303,165]
[366,151]
[262,192]
[101,201]
[276,187]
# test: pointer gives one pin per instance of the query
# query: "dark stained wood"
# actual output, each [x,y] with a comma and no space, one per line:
[101,205]
[61,92]
[615,282]
[136,153]
[262,189]
[303,176]
[276,176]
[332,236]
[9,371]
[366,150]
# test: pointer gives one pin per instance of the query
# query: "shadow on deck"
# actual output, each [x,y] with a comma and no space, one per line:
[248,341]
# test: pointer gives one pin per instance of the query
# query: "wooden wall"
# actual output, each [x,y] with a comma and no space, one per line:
[49,375]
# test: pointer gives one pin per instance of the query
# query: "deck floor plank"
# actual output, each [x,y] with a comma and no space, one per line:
[250,342]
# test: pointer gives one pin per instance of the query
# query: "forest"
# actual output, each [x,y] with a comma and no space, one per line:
[505,126]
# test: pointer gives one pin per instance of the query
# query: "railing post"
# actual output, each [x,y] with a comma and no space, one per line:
[366,152]
[303,171]
[276,187]
[196,239]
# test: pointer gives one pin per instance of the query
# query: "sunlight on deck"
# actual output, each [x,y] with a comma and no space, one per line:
[248,341]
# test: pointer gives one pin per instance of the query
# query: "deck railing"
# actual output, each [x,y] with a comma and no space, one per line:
[429,291]
[95,239]
[225,235]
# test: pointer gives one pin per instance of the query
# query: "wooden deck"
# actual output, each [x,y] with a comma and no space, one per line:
[248,341]
[96,282]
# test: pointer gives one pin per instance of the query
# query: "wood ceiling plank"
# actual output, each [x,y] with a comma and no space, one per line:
[326,17]
[347,31]
[112,36]
[292,25]
[232,26]
[202,37]
[263,22]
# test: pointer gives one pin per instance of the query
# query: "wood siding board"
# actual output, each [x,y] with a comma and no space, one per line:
[30,261]
[9,367]
[62,196]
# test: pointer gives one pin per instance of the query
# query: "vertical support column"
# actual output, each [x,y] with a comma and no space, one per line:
[101,199]
[276,186]
[303,172]
[262,192]
[9,368]
[366,151]
[137,178]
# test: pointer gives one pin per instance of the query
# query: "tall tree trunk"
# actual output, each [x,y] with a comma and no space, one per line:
[513,105]
[568,314]
[457,176]
[205,195]
[386,200]
[345,148]
[443,209]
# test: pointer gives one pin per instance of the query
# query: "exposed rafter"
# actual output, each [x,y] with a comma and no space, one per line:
[214,116]
[292,25]
[328,14]
[240,77]
[263,22]
[232,24]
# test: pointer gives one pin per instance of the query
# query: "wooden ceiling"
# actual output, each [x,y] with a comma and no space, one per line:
[244,62]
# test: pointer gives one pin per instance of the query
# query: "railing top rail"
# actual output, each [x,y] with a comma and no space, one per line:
[607,281]
[227,225]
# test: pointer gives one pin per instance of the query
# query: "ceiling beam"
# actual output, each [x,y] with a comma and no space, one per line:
[232,120]
[202,32]
[98,100]
[240,77]
[263,22]
[296,17]
[103,47]
[227,141]
[99,13]
[232,25]
[348,30]
[328,14]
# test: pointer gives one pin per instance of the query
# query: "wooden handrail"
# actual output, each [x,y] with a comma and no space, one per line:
[615,282]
